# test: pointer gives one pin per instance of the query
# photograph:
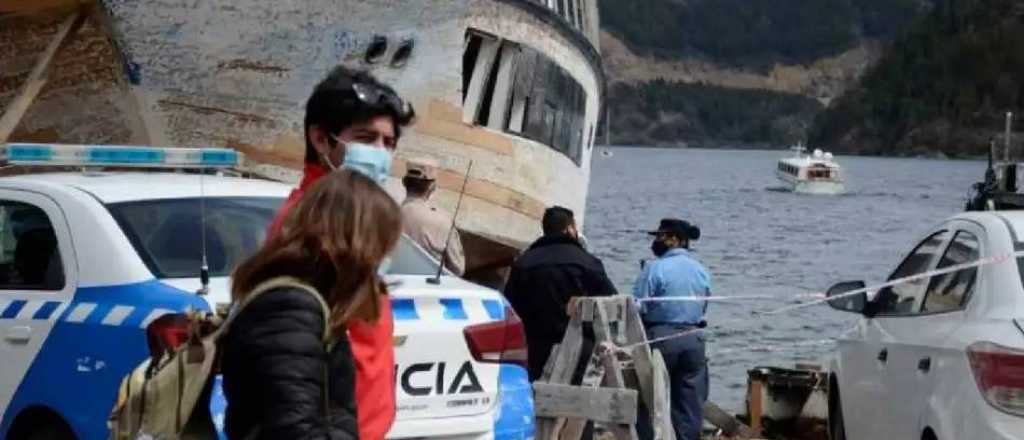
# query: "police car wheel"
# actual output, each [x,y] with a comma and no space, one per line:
[52,433]
[55,431]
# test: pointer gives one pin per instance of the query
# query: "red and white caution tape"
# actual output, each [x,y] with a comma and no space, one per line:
[821,297]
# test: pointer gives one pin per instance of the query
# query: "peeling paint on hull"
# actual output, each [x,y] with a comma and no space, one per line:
[237,75]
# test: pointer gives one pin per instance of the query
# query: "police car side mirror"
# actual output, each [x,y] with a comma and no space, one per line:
[840,299]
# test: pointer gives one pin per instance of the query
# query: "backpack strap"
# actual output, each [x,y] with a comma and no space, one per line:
[277,283]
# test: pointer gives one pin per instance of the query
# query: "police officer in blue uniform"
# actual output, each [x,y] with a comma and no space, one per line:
[677,274]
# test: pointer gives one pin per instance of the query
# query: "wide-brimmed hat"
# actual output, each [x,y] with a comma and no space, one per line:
[677,227]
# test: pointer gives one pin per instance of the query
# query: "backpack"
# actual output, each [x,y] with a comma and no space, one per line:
[167,397]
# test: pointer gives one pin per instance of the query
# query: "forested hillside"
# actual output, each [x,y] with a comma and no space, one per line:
[677,114]
[753,32]
[944,86]
[769,49]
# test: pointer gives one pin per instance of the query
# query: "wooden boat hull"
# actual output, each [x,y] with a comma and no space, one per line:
[208,74]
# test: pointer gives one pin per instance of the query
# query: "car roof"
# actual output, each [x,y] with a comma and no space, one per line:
[1015,220]
[116,187]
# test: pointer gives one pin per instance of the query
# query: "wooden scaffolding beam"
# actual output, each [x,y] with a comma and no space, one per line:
[616,379]
[37,78]
[609,392]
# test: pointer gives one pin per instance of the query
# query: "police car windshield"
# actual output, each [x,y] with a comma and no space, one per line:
[167,235]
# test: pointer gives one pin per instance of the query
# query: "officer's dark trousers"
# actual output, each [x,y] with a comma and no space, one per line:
[688,376]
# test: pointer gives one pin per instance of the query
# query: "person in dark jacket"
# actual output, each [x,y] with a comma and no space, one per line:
[354,121]
[546,278]
[280,380]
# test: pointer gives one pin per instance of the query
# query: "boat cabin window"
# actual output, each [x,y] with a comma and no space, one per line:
[819,173]
[519,90]
[789,169]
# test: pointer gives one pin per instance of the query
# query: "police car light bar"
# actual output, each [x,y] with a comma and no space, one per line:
[118,156]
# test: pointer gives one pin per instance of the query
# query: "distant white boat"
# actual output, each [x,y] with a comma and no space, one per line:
[815,173]
[607,153]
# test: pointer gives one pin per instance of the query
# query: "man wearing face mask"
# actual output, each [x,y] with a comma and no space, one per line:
[545,279]
[676,274]
[354,121]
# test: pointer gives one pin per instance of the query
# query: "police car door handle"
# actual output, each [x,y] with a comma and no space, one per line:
[883,355]
[19,334]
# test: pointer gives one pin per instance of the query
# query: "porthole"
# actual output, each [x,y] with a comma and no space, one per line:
[402,54]
[378,47]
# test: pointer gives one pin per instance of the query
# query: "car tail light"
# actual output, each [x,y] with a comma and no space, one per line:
[498,342]
[167,333]
[999,372]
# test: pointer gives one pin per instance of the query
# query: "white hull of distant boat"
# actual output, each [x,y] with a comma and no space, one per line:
[828,188]
[816,173]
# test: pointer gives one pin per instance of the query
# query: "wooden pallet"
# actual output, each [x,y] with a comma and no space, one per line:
[610,391]
[617,379]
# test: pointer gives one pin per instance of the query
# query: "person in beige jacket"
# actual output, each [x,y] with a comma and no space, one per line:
[424,223]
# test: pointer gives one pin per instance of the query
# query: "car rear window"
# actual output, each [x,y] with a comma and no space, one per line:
[167,234]
[410,259]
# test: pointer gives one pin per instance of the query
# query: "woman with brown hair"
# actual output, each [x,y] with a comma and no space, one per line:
[280,379]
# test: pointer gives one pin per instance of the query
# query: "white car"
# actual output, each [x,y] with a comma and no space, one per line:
[941,358]
[88,260]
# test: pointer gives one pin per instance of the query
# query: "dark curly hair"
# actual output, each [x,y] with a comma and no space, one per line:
[334,105]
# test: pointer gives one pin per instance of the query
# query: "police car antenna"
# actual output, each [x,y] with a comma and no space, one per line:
[436,279]
[204,269]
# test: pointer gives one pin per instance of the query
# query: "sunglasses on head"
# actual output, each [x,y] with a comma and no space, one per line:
[373,95]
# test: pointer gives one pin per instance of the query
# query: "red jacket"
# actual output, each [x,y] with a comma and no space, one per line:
[372,345]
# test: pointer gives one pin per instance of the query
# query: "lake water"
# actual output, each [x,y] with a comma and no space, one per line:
[758,239]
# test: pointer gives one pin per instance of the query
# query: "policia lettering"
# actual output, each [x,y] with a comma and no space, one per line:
[464,374]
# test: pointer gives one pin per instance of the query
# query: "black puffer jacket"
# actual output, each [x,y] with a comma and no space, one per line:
[552,270]
[274,365]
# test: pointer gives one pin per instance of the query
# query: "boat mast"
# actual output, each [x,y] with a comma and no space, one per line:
[1009,131]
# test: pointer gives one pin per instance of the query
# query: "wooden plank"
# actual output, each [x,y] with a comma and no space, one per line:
[661,407]
[37,78]
[549,366]
[32,6]
[545,426]
[609,405]
[481,72]
[642,359]
[587,309]
[614,308]
[592,377]
[563,364]
[501,100]
[568,353]
[756,406]
[613,373]
[729,425]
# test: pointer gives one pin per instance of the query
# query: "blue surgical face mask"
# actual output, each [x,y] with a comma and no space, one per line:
[369,160]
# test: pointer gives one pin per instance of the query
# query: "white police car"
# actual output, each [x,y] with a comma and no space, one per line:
[89,259]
